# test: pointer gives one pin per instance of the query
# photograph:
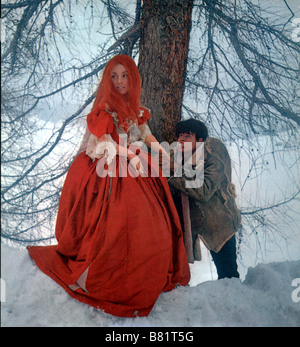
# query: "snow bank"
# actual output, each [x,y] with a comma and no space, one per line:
[264,298]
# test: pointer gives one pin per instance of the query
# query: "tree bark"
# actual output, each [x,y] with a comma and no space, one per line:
[164,40]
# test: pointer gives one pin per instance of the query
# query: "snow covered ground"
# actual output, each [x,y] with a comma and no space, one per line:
[269,296]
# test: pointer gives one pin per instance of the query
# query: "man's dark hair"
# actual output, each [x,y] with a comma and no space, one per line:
[192,126]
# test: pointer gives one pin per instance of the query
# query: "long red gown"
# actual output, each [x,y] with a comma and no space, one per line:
[120,242]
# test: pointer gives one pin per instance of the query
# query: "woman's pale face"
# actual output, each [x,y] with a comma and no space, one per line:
[120,81]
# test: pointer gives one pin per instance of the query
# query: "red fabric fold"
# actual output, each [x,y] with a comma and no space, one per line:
[100,122]
[145,116]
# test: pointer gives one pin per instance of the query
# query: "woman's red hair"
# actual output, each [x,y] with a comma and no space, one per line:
[127,109]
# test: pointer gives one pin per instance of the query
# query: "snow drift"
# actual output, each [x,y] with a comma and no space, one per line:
[266,297]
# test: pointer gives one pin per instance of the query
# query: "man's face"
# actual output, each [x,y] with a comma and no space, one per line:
[185,138]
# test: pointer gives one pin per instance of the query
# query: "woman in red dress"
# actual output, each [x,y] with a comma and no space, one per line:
[119,238]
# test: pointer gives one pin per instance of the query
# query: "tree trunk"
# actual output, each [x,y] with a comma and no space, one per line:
[164,40]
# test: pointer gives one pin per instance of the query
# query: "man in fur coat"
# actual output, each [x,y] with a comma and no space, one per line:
[207,209]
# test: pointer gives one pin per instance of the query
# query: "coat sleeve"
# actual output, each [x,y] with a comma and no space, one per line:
[213,174]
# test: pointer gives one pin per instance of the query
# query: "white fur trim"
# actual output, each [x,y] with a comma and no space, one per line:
[106,149]
[105,146]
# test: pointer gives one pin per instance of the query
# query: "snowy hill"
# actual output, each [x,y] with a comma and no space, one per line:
[265,298]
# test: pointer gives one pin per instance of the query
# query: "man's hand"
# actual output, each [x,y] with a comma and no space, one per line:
[165,162]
